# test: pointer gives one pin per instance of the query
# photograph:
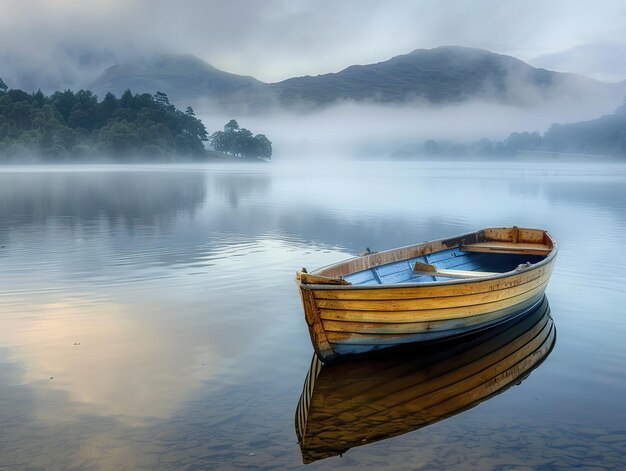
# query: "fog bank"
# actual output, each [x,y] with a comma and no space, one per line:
[353,130]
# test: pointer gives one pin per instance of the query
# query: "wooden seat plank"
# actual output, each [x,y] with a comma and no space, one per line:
[507,247]
[428,269]
[456,273]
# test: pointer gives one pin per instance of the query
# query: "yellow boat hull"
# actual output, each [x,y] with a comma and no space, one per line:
[346,320]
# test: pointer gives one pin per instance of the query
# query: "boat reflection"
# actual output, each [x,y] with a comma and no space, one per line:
[358,402]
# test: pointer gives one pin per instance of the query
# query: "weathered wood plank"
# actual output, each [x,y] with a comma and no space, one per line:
[383,319]
[434,291]
[463,274]
[424,267]
[392,305]
[308,278]
[508,248]
[366,338]
[426,324]
[316,328]
[512,234]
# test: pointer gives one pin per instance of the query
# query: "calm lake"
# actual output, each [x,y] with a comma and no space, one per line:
[149,317]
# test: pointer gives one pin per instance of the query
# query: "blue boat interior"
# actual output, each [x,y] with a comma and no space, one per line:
[452,259]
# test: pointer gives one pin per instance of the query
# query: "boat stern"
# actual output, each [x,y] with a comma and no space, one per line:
[320,342]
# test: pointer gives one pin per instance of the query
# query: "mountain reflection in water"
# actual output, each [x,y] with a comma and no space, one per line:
[357,402]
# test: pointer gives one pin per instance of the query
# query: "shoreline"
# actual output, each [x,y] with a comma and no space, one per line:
[210,158]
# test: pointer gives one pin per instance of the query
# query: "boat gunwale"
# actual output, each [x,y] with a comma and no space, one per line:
[549,257]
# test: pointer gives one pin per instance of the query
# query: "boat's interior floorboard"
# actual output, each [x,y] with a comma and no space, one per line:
[452,259]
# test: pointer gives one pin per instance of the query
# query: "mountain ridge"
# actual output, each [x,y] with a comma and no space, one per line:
[447,74]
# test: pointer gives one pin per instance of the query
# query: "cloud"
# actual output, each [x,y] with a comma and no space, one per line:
[274,39]
[109,354]
[603,61]
[352,129]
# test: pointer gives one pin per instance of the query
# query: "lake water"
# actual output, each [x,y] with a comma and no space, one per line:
[149,317]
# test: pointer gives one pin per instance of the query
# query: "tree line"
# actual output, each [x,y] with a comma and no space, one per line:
[602,136]
[77,125]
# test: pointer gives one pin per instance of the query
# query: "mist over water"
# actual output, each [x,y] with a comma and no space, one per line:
[352,129]
[150,319]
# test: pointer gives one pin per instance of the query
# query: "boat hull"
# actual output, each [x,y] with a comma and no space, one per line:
[346,320]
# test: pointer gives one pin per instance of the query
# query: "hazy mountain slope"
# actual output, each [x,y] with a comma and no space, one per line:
[182,77]
[604,135]
[440,75]
[437,75]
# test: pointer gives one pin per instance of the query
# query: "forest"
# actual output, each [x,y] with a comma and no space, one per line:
[71,125]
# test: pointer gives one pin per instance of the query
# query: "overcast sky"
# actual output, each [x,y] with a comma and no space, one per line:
[276,39]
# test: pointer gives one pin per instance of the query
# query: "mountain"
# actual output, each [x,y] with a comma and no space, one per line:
[441,75]
[181,77]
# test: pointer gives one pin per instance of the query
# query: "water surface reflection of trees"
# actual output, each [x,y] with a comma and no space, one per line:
[122,198]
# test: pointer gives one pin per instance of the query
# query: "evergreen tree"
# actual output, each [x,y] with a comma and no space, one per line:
[68,123]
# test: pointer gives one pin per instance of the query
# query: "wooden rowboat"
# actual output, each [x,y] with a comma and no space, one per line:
[425,292]
[349,404]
